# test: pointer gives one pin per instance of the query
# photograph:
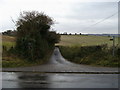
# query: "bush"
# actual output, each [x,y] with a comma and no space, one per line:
[34,40]
[91,55]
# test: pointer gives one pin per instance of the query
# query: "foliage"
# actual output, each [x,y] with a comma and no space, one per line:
[34,39]
[12,60]
[100,55]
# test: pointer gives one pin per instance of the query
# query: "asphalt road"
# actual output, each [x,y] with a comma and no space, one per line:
[57,63]
[58,80]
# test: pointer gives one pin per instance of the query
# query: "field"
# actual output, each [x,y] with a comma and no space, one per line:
[84,40]
[90,50]
[76,48]
[70,40]
[8,41]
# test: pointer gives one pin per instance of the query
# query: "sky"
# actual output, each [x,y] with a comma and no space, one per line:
[71,16]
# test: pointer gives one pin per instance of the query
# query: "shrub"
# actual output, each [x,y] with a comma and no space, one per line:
[34,39]
[91,55]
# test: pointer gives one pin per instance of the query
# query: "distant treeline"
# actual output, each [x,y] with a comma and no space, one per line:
[109,35]
[14,32]
[10,32]
[65,33]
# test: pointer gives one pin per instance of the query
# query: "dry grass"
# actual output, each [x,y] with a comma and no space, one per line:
[7,41]
[82,40]
[8,38]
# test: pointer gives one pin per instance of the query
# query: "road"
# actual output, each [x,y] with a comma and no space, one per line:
[57,63]
[58,80]
[64,75]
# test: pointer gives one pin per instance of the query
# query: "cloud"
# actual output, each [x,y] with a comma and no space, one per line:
[70,15]
[84,15]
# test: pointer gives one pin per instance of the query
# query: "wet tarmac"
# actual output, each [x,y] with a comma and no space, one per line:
[57,63]
[59,80]
[60,73]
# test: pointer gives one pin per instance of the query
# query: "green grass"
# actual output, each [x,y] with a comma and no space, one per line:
[70,49]
[8,45]
[92,55]
[16,62]
[82,49]
[7,41]
[84,40]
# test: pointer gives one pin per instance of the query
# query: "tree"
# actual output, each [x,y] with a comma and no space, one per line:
[65,33]
[33,36]
[75,33]
[53,38]
[9,33]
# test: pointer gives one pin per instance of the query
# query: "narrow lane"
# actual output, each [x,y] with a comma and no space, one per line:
[57,63]
[31,77]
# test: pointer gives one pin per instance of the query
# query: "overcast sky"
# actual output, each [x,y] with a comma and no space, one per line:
[72,16]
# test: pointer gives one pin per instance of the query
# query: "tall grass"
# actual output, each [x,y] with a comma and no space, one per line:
[11,59]
[99,55]
[8,45]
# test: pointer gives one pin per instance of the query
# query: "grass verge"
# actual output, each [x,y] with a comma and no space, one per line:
[10,61]
[99,55]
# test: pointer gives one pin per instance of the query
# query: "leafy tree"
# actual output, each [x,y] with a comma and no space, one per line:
[33,36]
[53,38]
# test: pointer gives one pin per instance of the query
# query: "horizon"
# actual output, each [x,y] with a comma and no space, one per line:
[67,32]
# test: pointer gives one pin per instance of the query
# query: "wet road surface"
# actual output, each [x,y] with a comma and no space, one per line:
[58,64]
[59,80]
[59,73]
